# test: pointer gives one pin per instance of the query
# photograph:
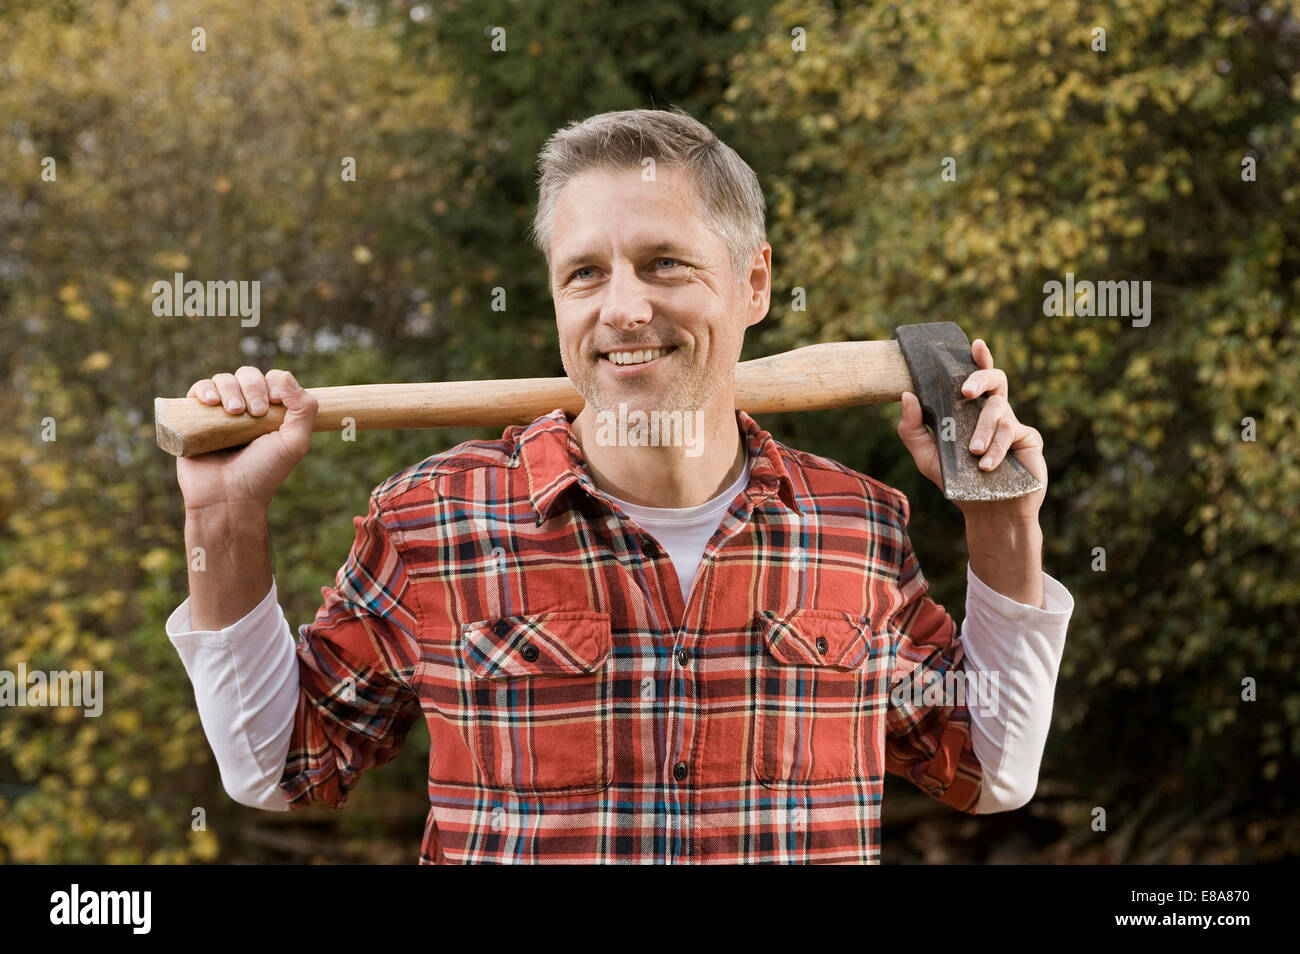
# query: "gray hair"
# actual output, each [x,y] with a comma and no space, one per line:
[731,199]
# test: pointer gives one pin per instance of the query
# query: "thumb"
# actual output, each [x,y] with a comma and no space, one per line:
[299,415]
[917,438]
[911,426]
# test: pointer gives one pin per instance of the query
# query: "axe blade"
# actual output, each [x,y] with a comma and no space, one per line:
[939,360]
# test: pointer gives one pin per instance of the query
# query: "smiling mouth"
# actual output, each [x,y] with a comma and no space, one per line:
[627,358]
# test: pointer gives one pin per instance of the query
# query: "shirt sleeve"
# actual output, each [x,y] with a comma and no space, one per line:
[245,680]
[1017,650]
[927,742]
[356,660]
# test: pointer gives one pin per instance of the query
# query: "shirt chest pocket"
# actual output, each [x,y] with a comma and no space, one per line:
[540,700]
[822,696]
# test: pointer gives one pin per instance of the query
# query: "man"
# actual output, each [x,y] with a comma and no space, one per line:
[629,653]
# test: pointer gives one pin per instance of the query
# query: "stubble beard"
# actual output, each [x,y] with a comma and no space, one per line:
[690,388]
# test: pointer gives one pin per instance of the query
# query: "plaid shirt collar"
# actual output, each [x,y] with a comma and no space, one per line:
[553,462]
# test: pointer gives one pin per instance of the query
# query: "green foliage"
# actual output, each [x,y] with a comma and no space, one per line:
[222,164]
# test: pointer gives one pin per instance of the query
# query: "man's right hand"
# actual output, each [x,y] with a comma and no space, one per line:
[244,479]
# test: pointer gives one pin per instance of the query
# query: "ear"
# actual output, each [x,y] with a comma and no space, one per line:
[757,286]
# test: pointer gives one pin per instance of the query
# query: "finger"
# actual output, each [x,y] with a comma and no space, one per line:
[979,350]
[232,396]
[253,383]
[1029,440]
[299,415]
[994,408]
[985,381]
[1002,438]
[205,391]
[275,385]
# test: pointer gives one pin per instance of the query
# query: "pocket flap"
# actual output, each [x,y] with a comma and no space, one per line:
[560,643]
[812,637]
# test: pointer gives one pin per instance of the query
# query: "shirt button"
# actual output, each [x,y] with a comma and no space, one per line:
[529,652]
[683,657]
[648,549]
[501,627]
[679,771]
[821,644]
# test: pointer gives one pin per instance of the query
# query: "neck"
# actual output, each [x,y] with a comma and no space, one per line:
[671,475]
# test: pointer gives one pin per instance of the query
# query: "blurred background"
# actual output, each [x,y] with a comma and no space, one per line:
[1117,164]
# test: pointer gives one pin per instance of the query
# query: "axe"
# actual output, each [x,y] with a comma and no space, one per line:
[931,360]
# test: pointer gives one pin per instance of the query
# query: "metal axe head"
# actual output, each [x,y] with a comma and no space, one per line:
[939,360]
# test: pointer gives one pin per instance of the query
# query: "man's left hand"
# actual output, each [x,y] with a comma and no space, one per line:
[997,433]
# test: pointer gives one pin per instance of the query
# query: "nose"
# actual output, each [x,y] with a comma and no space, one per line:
[626,304]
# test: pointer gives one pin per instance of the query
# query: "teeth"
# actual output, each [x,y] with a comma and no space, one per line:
[636,357]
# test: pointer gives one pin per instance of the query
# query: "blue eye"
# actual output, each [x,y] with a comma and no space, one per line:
[672,260]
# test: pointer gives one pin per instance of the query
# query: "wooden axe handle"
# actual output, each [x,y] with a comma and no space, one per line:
[835,374]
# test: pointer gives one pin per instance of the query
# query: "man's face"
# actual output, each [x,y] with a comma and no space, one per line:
[635,268]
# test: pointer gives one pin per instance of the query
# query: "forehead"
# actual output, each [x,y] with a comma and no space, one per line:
[601,208]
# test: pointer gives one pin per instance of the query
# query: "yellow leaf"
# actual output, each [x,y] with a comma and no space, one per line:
[203,844]
[173,261]
[156,560]
[127,720]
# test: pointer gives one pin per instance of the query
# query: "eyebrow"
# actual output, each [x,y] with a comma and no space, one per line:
[669,249]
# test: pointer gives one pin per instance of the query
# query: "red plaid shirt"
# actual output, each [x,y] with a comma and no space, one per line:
[578,712]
